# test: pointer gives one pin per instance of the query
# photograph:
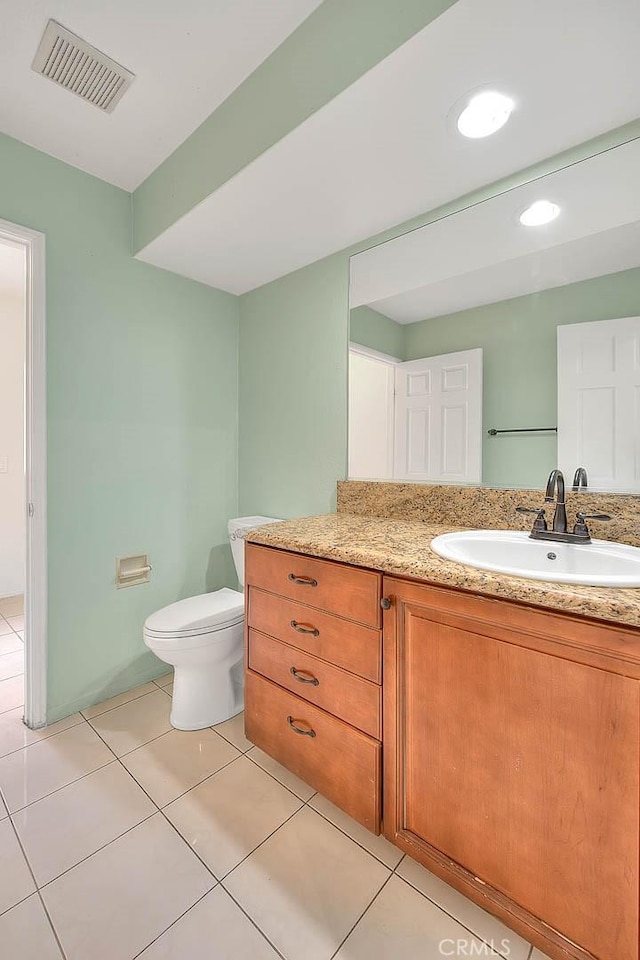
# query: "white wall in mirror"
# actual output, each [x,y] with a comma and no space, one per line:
[371,414]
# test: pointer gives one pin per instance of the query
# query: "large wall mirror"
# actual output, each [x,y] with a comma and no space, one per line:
[504,340]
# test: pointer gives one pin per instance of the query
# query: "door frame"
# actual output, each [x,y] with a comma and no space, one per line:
[35,635]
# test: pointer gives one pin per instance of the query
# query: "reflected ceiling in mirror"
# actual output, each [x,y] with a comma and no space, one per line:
[483,280]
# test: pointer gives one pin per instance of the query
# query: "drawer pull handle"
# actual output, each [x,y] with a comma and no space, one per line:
[303,733]
[297,675]
[312,630]
[303,581]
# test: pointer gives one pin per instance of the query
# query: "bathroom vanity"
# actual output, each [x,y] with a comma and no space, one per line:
[488,726]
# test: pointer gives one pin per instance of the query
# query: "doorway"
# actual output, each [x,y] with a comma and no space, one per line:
[23,569]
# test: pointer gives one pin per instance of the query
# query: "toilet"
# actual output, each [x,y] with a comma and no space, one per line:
[202,638]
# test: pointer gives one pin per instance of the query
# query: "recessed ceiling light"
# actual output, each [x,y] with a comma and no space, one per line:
[484,114]
[539,213]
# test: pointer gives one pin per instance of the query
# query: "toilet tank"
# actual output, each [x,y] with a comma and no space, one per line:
[238,530]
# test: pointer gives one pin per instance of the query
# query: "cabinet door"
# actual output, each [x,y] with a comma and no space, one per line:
[519,766]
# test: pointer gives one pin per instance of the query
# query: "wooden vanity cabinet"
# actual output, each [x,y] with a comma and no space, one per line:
[313,694]
[511,763]
[502,750]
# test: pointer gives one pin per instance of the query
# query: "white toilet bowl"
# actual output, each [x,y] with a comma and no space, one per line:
[202,638]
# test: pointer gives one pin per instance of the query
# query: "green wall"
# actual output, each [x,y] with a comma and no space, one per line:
[372,329]
[142,427]
[293,391]
[519,343]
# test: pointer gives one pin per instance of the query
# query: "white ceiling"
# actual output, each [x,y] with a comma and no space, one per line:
[387,149]
[483,254]
[12,269]
[188,56]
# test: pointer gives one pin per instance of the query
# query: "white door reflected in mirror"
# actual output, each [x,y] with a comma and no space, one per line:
[599,401]
[438,419]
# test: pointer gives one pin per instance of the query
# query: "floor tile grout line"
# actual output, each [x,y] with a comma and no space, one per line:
[251,920]
[366,909]
[43,886]
[53,736]
[58,789]
[7,910]
[273,777]
[12,677]
[37,889]
[198,784]
[243,752]
[353,839]
[144,789]
[140,696]
[25,746]
[119,760]
[454,918]
[263,841]
[195,852]
[147,742]
[133,749]
[173,827]
[177,920]
[10,653]
[241,749]
[15,705]
[56,935]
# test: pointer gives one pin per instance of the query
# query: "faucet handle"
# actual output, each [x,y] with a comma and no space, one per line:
[580,528]
[540,523]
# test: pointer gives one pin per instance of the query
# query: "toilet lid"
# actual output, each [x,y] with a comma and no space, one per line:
[198,614]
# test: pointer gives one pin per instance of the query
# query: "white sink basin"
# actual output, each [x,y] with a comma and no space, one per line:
[596,564]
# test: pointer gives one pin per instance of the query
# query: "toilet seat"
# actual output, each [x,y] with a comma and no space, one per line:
[197,616]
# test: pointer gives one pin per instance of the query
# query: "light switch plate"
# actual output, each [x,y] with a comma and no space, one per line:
[4,464]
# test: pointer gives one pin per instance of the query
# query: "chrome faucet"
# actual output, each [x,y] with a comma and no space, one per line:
[555,490]
[579,480]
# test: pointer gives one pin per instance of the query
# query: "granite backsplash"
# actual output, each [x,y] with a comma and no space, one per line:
[486,508]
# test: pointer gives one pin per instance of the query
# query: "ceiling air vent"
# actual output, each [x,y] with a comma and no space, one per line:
[77,66]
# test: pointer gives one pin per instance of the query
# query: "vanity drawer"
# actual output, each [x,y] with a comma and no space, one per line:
[349,698]
[335,587]
[331,756]
[346,644]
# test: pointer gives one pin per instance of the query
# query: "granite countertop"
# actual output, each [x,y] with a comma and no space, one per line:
[402,548]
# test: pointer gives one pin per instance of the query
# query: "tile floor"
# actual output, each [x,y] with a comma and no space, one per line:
[122,838]
[11,653]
